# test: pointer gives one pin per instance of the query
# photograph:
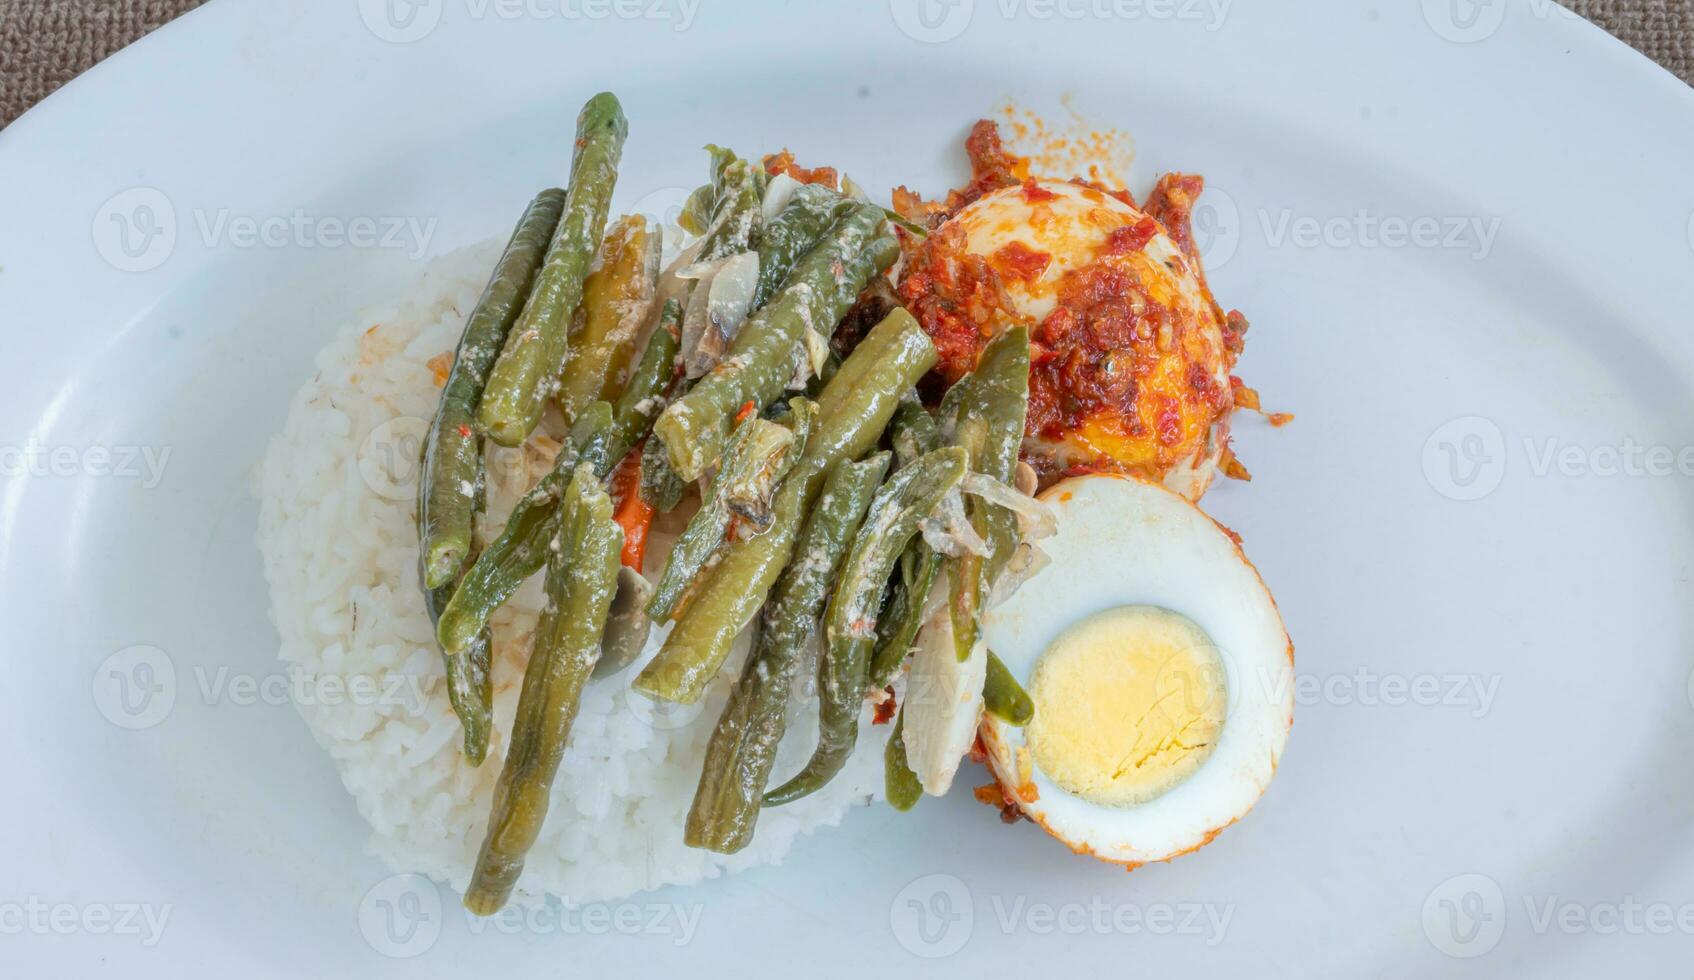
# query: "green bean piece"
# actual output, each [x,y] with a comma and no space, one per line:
[470,680]
[661,488]
[903,614]
[453,469]
[984,413]
[767,349]
[853,410]
[912,433]
[627,624]
[743,746]
[617,296]
[523,544]
[739,188]
[601,437]
[794,231]
[581,578]
[538,344]
[644,396]
[1003,696]
[759,451]
[908,497]
[898,780]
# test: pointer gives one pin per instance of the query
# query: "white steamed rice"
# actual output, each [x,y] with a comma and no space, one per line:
[340,549]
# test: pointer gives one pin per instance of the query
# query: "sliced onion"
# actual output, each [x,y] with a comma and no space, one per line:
[1024,563]
[777,194]
[718,306]
[1035,519]
[948,530]
[943,703]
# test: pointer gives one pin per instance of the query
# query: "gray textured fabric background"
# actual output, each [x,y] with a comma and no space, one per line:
[46,43]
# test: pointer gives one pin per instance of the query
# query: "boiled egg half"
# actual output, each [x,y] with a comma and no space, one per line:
[1161,674]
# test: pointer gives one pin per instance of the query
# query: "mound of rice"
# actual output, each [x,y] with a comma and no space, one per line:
[340,549]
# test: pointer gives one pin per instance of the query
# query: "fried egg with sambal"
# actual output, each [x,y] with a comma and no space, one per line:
[1132,358]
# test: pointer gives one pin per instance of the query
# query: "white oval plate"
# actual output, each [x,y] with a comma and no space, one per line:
[1462,231]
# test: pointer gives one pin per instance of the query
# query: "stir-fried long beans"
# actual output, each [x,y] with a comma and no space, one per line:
[984,413]
[1003,696]
[617,297]
[470,684]
[453,471]
[538,343]
[759,451]
[853,410]
[767,349]
[743,747]
[899,782]
[601,437]
[912,433]
[581,578]
[908,497]
[794,231]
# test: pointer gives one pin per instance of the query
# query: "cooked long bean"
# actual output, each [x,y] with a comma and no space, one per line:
[766,351]
[470,684]
[794,231]
[908,497]
[1003,696]
[743,746]
[453,470]
[760,451]
[601,436]
[538,343]
[522,547]
[581,578]
[899,782]
[911,434]
[738,185]
[853,410]
[984,413]
[617,297]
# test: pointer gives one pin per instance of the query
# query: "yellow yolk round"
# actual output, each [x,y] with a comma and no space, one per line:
[1128,704]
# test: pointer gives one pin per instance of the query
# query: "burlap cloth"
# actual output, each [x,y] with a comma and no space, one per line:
[46,43]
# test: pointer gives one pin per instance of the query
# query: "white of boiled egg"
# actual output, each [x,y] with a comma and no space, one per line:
[1125,543]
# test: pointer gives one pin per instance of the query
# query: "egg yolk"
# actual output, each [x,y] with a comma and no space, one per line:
[1128,704]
